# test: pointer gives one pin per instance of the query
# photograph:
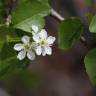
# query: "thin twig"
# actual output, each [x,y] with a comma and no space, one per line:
[60,18]
[8,20]
[57,15]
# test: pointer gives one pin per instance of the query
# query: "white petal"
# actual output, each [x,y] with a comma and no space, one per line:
[38,50]
[50,40]
[21,55]
[34,45]
[35,28]
[33,33]
[31,55]
[43,52]
[48,50]
[25,39]
[18,47]
[36,38]
[43,34]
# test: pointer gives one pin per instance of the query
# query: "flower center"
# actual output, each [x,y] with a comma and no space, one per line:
[28,46]
[42,43]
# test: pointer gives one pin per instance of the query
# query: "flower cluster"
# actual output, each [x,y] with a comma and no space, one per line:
[39,44]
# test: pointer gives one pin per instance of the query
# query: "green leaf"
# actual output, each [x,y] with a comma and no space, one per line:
[89,17]
[30,12]
[89,2]
[7,60]
[69,33]
[9,63]
[90,64]
[92,26]
[26,24]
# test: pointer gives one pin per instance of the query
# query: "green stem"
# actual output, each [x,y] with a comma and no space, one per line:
[1,25]
[13,40]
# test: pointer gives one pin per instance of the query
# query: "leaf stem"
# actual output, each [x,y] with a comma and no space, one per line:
[12,40]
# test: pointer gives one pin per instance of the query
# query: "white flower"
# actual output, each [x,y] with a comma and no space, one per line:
[25,48]
[43,42]
[35,30]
